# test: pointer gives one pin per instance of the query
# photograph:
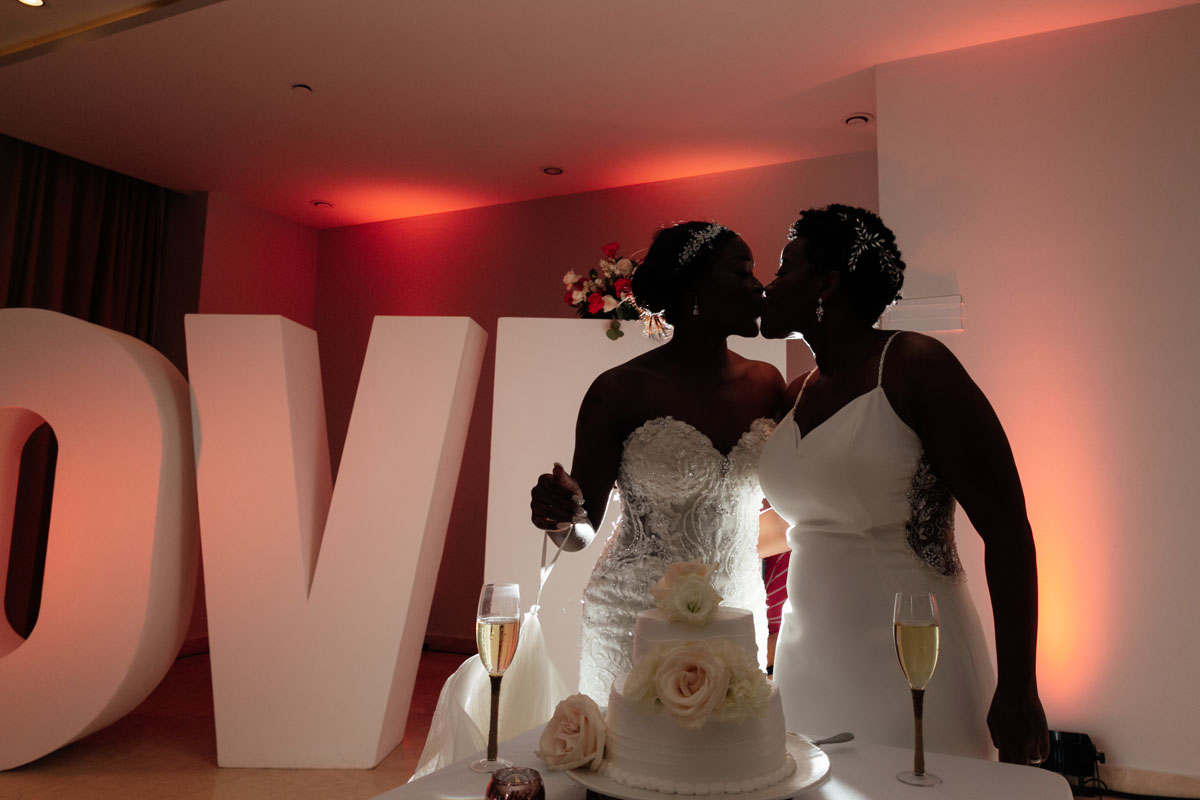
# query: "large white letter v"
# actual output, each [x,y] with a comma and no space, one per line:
[316,624]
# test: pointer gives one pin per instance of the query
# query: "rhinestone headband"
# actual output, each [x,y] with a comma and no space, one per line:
[703,237]
[865,240]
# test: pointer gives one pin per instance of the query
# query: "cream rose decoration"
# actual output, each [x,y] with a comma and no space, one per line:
[686,594]
[691,681]
[574,736]
[624,267]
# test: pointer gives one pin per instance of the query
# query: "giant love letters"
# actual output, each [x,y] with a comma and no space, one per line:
[317,598]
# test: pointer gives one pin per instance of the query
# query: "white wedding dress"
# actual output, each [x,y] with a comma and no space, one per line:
[868,519]
[681,500]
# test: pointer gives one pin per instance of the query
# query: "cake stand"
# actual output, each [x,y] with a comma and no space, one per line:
[812,768]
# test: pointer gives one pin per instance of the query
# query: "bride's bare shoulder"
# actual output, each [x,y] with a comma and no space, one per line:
[617,383]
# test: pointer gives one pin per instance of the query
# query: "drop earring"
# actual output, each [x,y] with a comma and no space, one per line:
[820,309]
[696,308]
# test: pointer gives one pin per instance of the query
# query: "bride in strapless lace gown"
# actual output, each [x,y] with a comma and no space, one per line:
[678,430]
[681,500]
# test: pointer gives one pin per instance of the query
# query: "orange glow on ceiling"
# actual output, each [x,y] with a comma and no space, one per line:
[388,201]
[682,164]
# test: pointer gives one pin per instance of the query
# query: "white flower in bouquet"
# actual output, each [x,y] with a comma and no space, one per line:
[604,292]
[574,736]
[691,682]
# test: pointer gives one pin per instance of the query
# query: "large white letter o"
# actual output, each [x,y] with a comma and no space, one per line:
[122,551]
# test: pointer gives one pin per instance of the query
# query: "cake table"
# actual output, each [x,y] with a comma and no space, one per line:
[858,771]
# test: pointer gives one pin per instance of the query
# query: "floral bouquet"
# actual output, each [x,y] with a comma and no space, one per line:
[605,292]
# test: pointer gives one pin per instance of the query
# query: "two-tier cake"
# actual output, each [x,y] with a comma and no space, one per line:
[695,715]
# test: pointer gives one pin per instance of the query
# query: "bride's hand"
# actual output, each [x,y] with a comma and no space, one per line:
[556,501]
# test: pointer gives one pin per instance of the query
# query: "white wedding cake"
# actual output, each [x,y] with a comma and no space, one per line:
[694,716]
[729,751]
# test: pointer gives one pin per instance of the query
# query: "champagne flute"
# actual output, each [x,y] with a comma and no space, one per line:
[915,627]
[497,625]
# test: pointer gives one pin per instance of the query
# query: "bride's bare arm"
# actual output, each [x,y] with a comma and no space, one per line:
[598,442]
[969,451]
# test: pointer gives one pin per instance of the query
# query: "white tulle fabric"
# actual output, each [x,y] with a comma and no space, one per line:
[681,500]
[531,688]
[868,519]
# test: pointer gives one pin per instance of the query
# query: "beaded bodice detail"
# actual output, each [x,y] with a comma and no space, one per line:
[929,529]
[681,500]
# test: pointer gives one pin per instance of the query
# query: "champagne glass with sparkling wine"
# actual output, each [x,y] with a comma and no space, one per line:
[916,630]
[497,624]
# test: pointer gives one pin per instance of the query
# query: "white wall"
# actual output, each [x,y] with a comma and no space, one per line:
[1052,181]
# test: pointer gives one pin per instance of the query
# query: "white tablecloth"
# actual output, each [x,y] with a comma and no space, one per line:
[859,772]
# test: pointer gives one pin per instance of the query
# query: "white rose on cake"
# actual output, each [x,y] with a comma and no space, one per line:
[691,681]
[574,736]
[686,594]
[748,686]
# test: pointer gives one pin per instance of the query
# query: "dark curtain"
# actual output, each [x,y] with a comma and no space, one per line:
[88,242]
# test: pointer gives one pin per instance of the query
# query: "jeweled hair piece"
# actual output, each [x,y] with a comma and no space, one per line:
[865,240]
[702,237]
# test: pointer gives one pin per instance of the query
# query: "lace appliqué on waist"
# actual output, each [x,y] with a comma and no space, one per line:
[930,526]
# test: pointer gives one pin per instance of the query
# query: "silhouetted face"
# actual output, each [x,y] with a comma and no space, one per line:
[791,299]
[731,299]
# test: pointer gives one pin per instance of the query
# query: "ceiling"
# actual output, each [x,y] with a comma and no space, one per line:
[424,106]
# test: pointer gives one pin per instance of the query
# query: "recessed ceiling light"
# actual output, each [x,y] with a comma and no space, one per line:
[552,170]
[322,204]
[34,3]
[858,119]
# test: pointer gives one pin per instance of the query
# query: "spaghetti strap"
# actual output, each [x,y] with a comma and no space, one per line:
[800,393]
[879,380]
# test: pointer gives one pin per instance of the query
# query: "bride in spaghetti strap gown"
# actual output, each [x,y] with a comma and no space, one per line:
[867,519]
[881,439]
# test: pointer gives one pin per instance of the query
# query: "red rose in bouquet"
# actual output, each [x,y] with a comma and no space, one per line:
[605,292]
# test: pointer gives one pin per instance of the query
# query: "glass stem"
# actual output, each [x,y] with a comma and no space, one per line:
[493,750]
[918,698]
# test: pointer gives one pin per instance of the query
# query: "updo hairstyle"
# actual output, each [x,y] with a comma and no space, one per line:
[661,281]
[857,244]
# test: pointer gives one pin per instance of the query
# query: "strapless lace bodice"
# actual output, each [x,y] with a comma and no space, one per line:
[681,500]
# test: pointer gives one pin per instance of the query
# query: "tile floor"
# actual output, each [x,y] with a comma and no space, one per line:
[166,748]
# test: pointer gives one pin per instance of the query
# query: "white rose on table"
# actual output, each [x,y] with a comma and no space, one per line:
[574,736]
[610,302]
[624,267]
[691,682]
